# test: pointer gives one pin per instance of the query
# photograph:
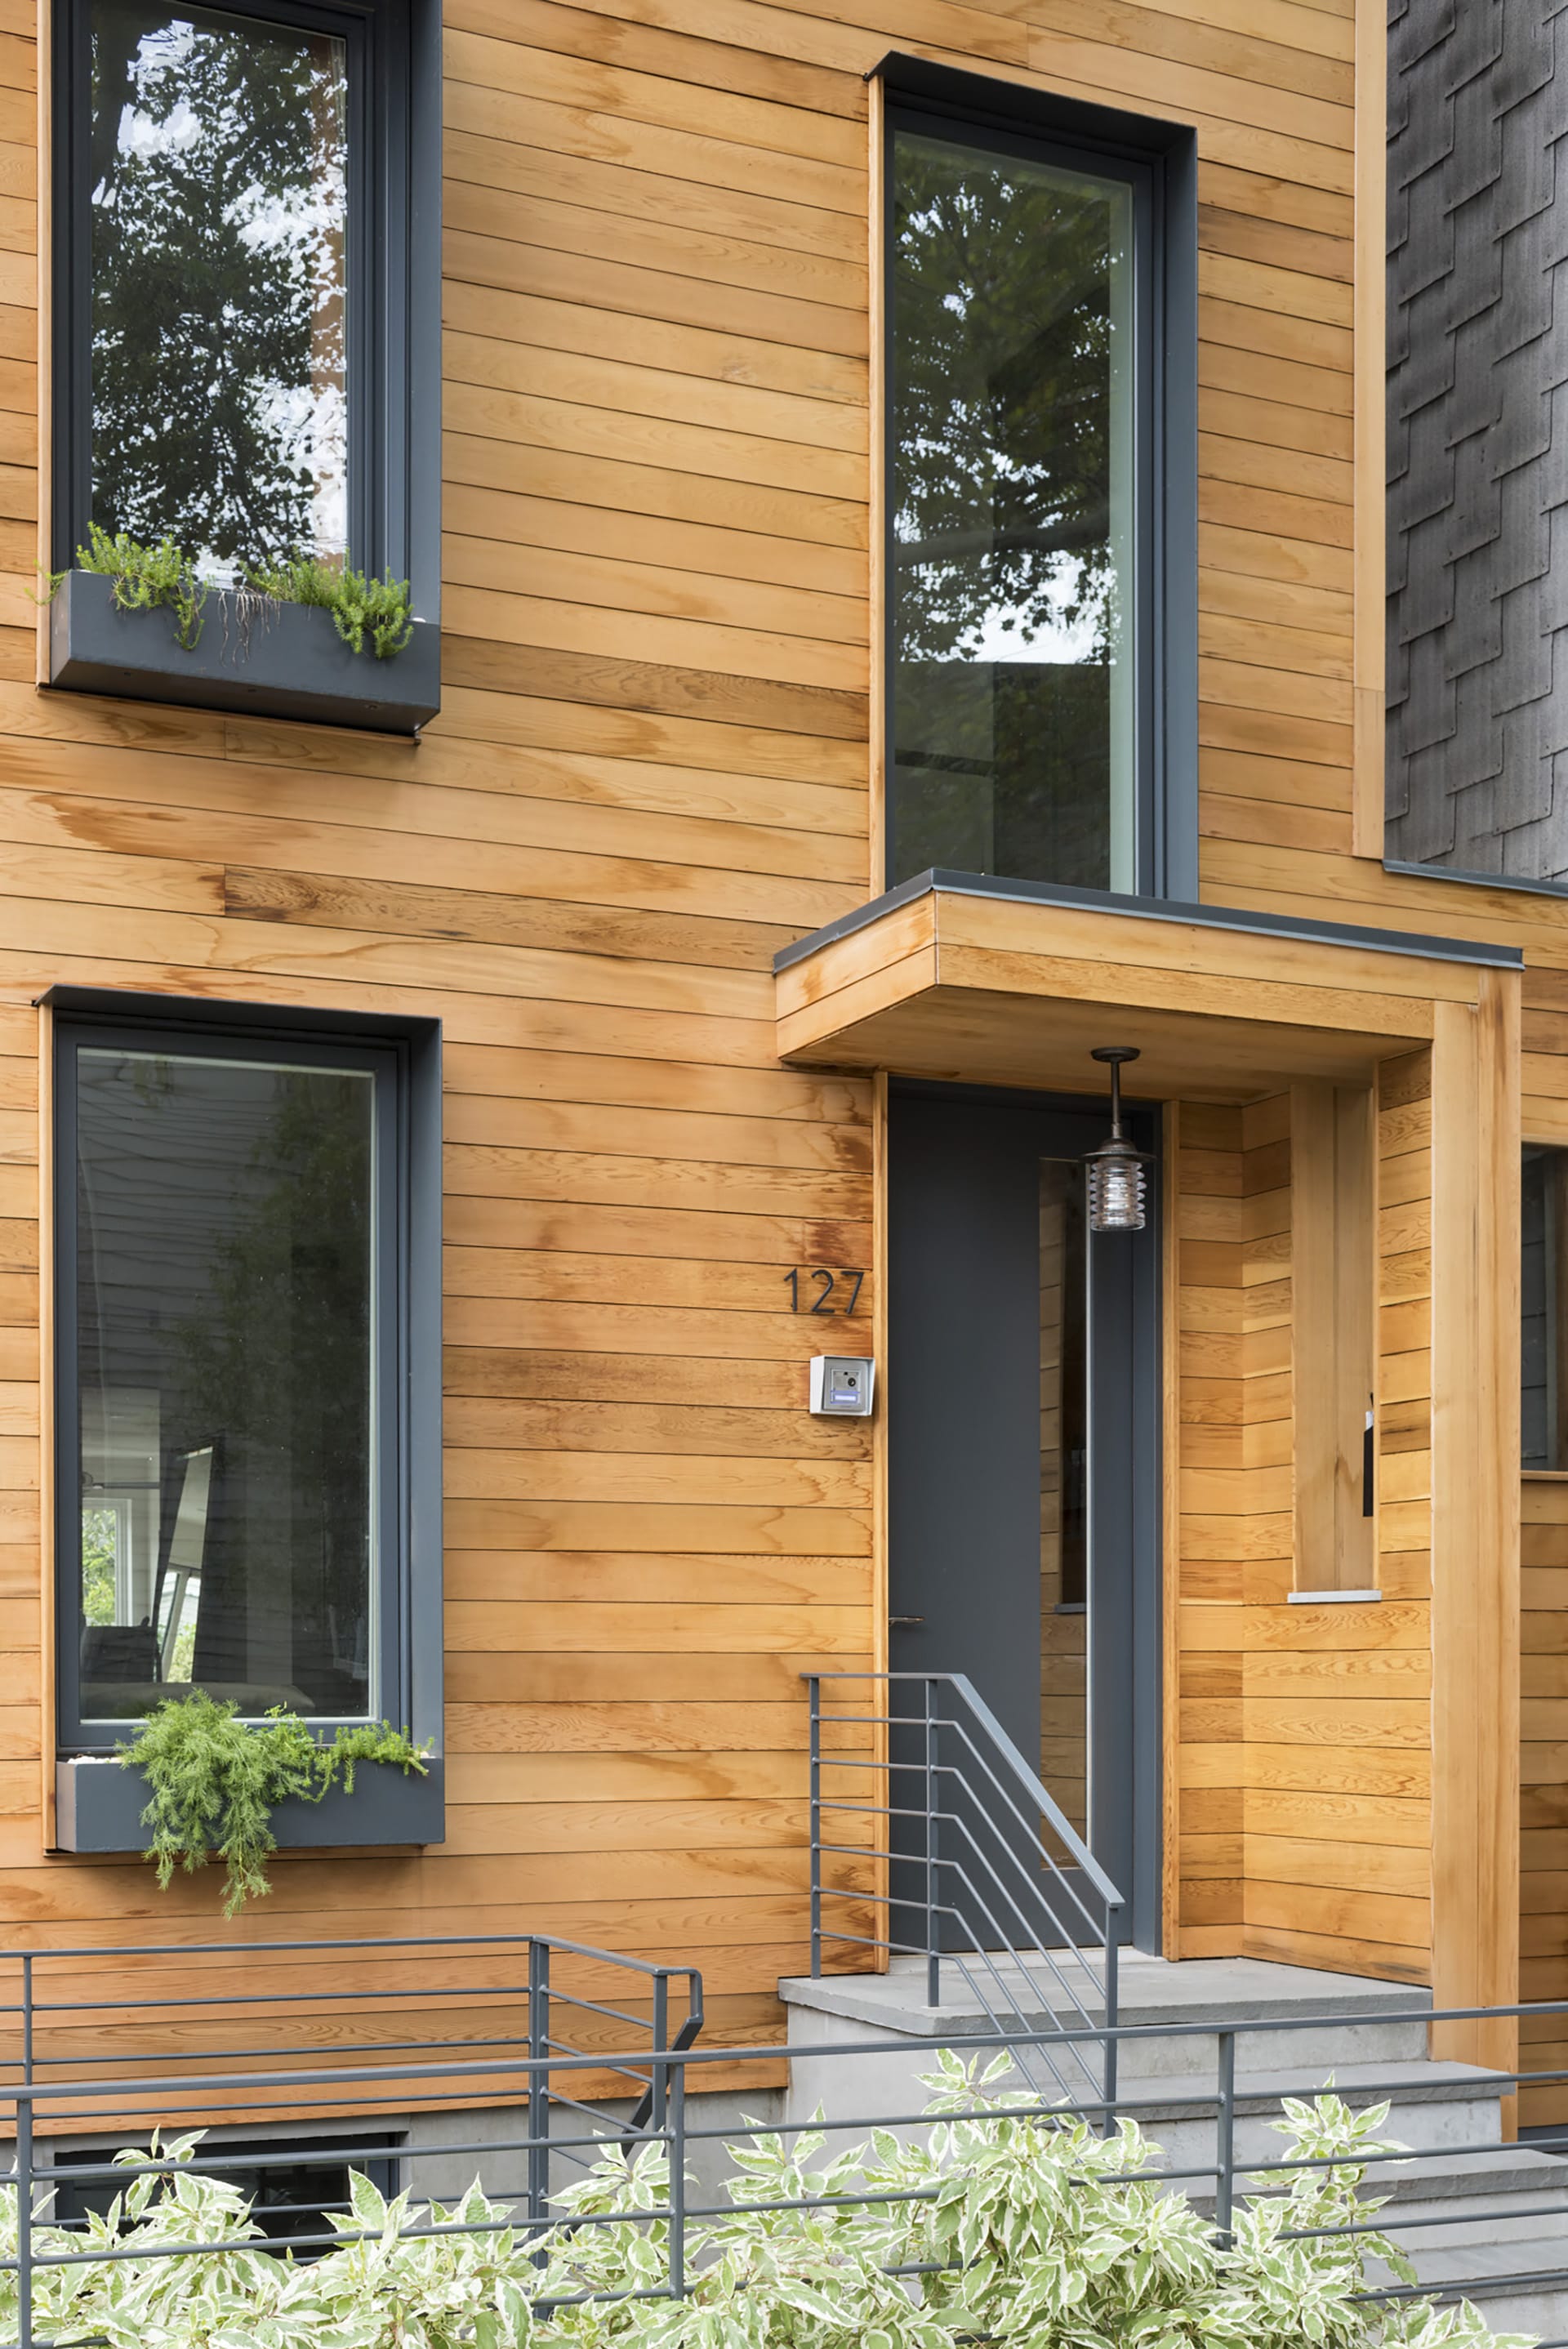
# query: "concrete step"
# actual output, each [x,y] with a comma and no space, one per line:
[1467,2207]
[1434,2105]
[1439,2201]
[1519,2285]
[977,1994]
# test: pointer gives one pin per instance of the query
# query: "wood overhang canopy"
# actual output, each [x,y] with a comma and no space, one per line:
[961,977]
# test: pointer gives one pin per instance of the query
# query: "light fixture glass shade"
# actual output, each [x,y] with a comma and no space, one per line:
[1116,1189]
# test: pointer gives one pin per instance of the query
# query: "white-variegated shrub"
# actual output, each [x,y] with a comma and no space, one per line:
[996,2227]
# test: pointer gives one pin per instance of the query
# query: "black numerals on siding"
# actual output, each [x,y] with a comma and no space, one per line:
[827,1288]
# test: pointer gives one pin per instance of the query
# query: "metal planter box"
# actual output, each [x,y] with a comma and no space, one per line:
[98,1808]
[289,663]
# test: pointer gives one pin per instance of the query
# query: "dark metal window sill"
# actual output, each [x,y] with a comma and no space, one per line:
[98,1808]
[291,663]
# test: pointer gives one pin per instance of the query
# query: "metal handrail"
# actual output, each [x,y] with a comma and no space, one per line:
[995,1902]
[1006,1752]
[539,2080]
[640,2059]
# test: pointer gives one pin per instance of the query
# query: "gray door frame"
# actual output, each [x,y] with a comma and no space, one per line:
[962,1399]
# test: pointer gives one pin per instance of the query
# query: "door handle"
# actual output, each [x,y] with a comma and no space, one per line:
[906,1622]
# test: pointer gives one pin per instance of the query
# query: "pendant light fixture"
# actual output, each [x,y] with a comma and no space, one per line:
[1117,1183]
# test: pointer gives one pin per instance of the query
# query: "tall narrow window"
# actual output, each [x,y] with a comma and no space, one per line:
[1543,1310]
[1021,391]
[232,1292]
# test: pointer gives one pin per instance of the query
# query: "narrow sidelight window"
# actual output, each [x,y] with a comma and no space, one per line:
[1543,1310]
[231,1276]
[1018,494]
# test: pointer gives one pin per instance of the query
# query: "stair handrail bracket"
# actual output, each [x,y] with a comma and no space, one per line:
[928,1822]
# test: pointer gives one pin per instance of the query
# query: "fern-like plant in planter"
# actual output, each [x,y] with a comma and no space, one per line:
[357,601]
[145,578]
[216,1780]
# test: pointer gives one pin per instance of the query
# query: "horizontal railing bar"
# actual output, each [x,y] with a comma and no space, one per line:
[1397,2226]
[220,2157]
[42,2007]
[1002,1747]
[1447,2288]
[596,2006]
[1122,2033]
[260,1950]
[230,2055]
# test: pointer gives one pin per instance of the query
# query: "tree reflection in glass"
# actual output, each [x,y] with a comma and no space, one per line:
[219,183]
[1012,496]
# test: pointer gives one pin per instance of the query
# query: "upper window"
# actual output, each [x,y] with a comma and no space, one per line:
[1028,355]
[225,255]
[233,1283]
[244,241]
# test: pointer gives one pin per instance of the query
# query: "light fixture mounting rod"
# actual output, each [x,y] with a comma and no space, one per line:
[1114,1055]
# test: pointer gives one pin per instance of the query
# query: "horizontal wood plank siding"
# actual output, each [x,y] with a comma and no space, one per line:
[650,772]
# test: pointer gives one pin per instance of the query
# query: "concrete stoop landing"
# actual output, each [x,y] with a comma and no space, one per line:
[1476,2218]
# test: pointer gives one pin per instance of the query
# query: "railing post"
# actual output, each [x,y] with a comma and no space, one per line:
[677,2179]
[25,2169]
[1225,2138]
[815,1686]
[538,2082]
[659,2074]
[932,1887]
[1111,2011]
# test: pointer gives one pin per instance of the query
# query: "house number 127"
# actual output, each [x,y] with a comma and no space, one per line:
[830,1280]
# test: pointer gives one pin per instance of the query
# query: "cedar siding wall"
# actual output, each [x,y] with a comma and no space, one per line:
[1304,1730]
[651,771]
[1543,1788]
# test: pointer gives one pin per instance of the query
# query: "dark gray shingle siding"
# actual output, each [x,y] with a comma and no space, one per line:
[1477,437]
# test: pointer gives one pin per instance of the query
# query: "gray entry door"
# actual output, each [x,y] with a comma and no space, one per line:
[1024,1424]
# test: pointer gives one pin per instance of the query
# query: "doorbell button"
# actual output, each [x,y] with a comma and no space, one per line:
[843,1386]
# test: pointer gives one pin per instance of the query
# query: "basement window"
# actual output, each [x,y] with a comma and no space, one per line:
[294,2190]
[245,202]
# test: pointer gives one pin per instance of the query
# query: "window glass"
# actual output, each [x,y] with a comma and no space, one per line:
[1013,694]
[219,191]
[225,1336]
[1544,1303]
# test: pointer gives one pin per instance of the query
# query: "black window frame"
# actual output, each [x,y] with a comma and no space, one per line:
[405,1554]
[394,278]
[1158,162]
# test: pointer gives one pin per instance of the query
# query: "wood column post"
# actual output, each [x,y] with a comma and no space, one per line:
[1475,1514]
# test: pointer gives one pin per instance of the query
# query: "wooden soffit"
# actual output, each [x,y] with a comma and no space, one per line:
[981,982]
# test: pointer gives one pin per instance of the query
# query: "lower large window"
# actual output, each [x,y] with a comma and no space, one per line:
[235,1233]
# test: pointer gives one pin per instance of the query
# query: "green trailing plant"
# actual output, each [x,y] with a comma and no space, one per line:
[51,582]
[216,1780]
[997,2229]
[359,604]
[146,577]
